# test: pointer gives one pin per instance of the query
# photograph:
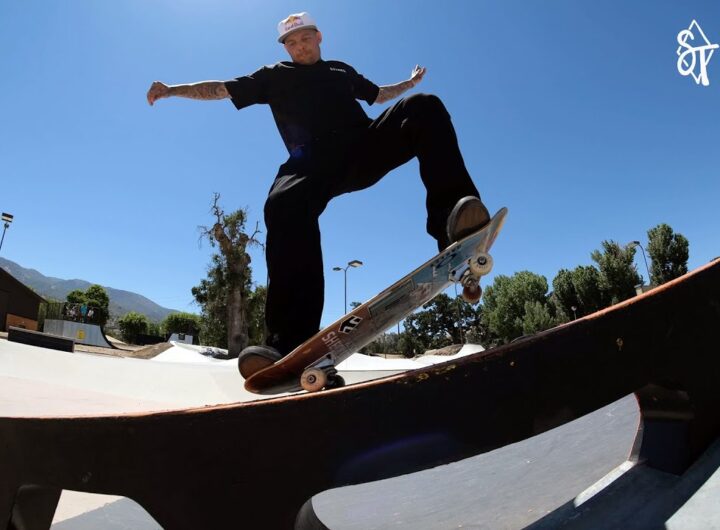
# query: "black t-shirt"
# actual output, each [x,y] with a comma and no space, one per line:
[309,103]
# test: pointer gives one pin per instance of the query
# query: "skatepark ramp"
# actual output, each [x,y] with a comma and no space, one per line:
[257,463]
[90,334]
[79,322]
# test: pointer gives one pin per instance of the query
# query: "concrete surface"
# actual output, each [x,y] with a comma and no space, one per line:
[576,472]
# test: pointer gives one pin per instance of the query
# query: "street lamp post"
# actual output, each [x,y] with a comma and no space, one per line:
[6,219]
[353,263]
[633,244]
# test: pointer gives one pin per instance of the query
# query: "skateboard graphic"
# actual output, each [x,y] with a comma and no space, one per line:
[312,365]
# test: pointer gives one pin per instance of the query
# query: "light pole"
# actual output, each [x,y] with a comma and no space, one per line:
[353,263]
[6,219]
[634,244]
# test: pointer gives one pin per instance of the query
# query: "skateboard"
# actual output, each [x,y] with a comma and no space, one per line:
[312,365]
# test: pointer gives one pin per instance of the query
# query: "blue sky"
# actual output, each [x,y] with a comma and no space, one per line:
[569,112]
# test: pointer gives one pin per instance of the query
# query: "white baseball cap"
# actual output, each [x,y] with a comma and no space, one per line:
[295,22]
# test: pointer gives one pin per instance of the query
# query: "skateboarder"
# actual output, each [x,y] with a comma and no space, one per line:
[335,148]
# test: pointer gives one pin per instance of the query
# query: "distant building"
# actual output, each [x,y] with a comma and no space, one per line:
[19,305]
[181,337]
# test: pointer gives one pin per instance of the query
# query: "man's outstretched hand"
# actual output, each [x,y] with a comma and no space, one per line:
[157,91]
[388,92]
[417,74]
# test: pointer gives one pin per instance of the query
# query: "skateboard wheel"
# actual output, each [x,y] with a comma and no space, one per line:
[472,294]
[481,264]
[335,381]
[313,380]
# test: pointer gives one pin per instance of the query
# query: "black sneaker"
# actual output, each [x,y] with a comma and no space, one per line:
[468,216]
[254,358]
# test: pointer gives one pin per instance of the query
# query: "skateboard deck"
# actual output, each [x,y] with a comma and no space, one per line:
[465,261]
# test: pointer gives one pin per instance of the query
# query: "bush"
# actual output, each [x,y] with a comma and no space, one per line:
[186,323]
[133,324]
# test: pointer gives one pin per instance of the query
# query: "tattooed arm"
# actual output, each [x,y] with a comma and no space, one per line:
[204,90]
[389,92]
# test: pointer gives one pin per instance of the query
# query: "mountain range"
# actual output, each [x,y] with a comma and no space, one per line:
[121,302]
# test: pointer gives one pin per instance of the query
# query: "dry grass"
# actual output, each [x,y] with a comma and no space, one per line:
[126,350]
[122,350]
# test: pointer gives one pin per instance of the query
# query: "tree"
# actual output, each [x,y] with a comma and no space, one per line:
[442,322]
[185,323]
[409,345]
[591,297]
[513,306]
[564,295]
[211,296]
[131,325]
[231,269]
[537,317]
[385,343]
[669,253]
[97,296]
[76,296]
[94,297]
[153,328]
[256,314]
[618,276]
[579,289]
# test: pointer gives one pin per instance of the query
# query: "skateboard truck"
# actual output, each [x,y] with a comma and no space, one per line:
[321,374]
[477,266]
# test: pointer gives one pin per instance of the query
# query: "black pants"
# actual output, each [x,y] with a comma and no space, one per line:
[417,126]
